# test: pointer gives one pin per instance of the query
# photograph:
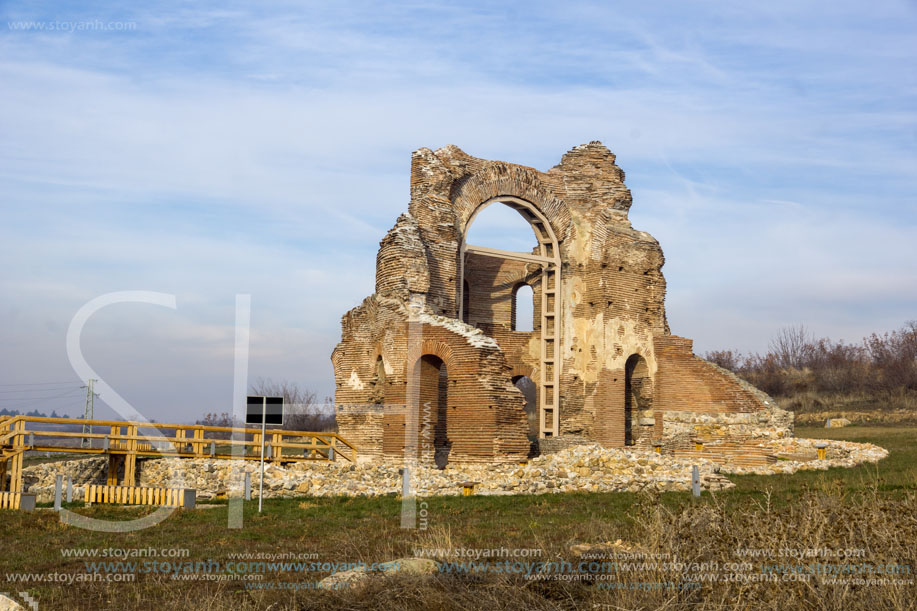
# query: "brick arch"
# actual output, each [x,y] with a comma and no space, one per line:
[520,370]
[638,398]
[519,188]
[376,353]
[498,180]
[436,348]
[514,305]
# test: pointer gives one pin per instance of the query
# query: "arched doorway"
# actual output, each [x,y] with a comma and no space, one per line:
[545,256]
[529,390]
[432,379]
[638,400]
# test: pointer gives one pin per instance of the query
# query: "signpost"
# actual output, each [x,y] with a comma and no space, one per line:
[263,411]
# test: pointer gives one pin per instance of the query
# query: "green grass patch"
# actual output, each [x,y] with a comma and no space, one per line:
[760,510]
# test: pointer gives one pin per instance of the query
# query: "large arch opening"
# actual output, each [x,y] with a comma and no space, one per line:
[432,377]
[501,276]
[501,227]
[638,400]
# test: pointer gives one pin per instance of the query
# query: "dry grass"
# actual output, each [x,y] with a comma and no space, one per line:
[872,509]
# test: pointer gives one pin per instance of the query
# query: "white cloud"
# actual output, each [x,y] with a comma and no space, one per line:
[222,150]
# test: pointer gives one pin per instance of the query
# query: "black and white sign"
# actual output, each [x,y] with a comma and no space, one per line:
[270,407]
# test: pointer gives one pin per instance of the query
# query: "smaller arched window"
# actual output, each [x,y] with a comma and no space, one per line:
[378,382]
[523,308]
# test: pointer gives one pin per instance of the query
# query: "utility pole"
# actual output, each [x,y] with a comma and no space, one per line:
[88,413]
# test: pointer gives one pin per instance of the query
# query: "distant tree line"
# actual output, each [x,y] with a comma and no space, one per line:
[796,362]
[303,411]
[34,413]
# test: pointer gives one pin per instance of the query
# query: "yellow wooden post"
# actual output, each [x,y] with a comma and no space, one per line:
[198,447]
[130,460]
[276,449]
[114,463]
[18,443]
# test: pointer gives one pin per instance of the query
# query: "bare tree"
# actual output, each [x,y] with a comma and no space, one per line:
[790,347]
[225,419]
[894,355]
[727,359]
[304,412]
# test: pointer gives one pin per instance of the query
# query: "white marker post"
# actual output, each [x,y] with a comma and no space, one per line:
[263,424]
[252,416]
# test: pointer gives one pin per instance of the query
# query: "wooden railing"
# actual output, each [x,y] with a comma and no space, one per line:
[137,495]
[17,500]
[125,441]
[189,440]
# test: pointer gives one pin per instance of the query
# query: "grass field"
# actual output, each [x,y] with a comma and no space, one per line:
[867,513]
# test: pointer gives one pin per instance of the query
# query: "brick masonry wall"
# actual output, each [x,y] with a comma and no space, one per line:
[612,297]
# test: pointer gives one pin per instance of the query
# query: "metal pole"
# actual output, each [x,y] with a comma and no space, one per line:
[261,484]
[88,413]
[406,482]
[695,481]
[58,490]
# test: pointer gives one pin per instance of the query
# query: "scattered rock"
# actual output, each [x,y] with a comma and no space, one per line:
[579,468]
[605,550]
[411,566]
[356,577]
[8,604]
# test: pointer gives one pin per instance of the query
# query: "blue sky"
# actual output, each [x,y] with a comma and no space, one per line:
[209,149]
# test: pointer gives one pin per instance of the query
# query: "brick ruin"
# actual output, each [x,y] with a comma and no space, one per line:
[428,365]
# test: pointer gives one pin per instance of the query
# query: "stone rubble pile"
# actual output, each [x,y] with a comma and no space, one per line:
[579,469]
[40,479]
[797,454]
[582,468]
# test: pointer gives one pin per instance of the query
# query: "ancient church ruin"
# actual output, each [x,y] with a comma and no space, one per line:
[428,364]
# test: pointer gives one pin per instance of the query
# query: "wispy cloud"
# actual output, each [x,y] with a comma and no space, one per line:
[225,148]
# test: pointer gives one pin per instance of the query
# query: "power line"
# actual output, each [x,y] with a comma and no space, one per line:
[58,393]
[6,392]
[34,400]
[39,383]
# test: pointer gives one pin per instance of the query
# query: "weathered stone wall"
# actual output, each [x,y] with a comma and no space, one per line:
[623,379]
[484,413]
